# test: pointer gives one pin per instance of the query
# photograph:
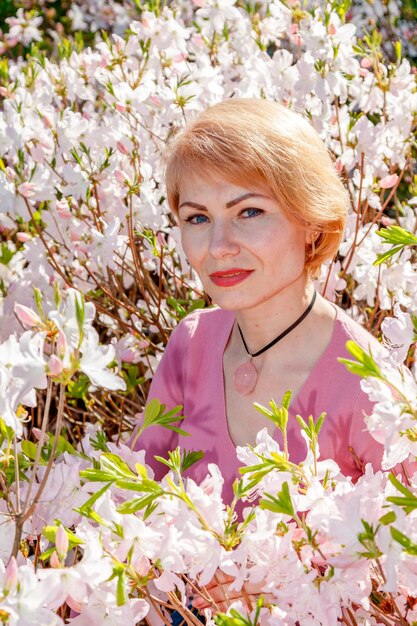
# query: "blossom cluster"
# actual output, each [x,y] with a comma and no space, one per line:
[93,279]
[318,547]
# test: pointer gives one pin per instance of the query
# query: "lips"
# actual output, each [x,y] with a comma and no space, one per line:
[228,278]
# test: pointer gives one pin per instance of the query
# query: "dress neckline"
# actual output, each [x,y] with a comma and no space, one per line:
[327,354]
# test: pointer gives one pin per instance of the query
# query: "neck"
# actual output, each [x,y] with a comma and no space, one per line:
[263,323]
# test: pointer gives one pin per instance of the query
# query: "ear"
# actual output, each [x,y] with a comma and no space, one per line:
[310,236]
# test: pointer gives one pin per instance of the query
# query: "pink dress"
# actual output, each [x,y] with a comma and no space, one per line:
[191,374]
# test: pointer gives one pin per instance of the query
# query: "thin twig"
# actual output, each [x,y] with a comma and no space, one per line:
[45,420]
[58,427]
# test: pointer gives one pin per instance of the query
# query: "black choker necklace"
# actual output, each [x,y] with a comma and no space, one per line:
[246,375]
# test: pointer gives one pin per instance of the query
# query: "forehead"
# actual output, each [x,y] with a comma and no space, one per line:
[196,186]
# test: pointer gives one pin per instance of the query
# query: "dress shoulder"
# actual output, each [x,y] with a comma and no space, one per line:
[349,329]
[205,321]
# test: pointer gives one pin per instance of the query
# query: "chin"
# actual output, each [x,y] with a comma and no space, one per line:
[231,304]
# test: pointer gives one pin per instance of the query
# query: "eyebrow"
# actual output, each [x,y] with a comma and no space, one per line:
[229,204]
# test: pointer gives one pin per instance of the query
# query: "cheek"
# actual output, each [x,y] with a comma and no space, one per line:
[191,247]
[284,250]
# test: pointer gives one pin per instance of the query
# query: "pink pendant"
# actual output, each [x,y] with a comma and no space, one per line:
[245,378]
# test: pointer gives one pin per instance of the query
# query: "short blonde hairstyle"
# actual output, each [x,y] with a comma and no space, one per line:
[259,141]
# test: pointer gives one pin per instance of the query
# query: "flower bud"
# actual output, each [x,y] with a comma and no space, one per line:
[47,121]
[23,237]
[55,365]
[142,566]
[26,315]
[122,148]
[61,344]
[10,576]
[61,542]
[54,561]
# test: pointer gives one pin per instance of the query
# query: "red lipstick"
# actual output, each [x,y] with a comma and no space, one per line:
[229,278]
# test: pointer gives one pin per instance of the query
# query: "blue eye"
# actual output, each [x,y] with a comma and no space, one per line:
[197,219]
[251,212]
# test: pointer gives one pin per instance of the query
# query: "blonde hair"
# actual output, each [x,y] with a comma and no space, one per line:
[264,142]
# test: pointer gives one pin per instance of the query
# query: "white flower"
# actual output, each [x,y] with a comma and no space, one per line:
[94,362]
[23,28]
[399,333]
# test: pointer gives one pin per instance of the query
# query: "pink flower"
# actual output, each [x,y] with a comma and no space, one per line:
[142,566]
[10,576]
[46,120]
[55,365]
[61,542]
[54,561]
[23,237]
[388,181]
[27,190]
[122,148]
[63,209]
[26,315]
[61,344]
[120,176]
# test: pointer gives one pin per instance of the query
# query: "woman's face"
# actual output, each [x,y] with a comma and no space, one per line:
[238,240]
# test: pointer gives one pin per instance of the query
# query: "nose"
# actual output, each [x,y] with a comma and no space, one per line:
[223,240]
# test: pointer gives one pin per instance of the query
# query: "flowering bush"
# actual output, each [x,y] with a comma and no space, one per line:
[93,280]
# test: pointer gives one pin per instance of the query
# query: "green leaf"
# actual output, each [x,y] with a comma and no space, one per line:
[367,539]
[29,449]
[154,414]
[262,409]
[112,463]
[78,389]
[152,411]
[409,546]
[137,504]
[49,532]
[320,422]
[80,314]
[174,460]
[86,508]
[63,446]
[398,485]
[6,254]
[6,432]
[100,441]
[132,376]
[278,415]
[97,475]
[144,486]
[287,399]
[408,502]
[364,365]
[38,296]
[388,518]
[121,589]
[384,256]
[396,235]
[280,504]
[189,458]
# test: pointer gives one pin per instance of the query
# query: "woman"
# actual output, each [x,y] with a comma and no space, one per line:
[260,207]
